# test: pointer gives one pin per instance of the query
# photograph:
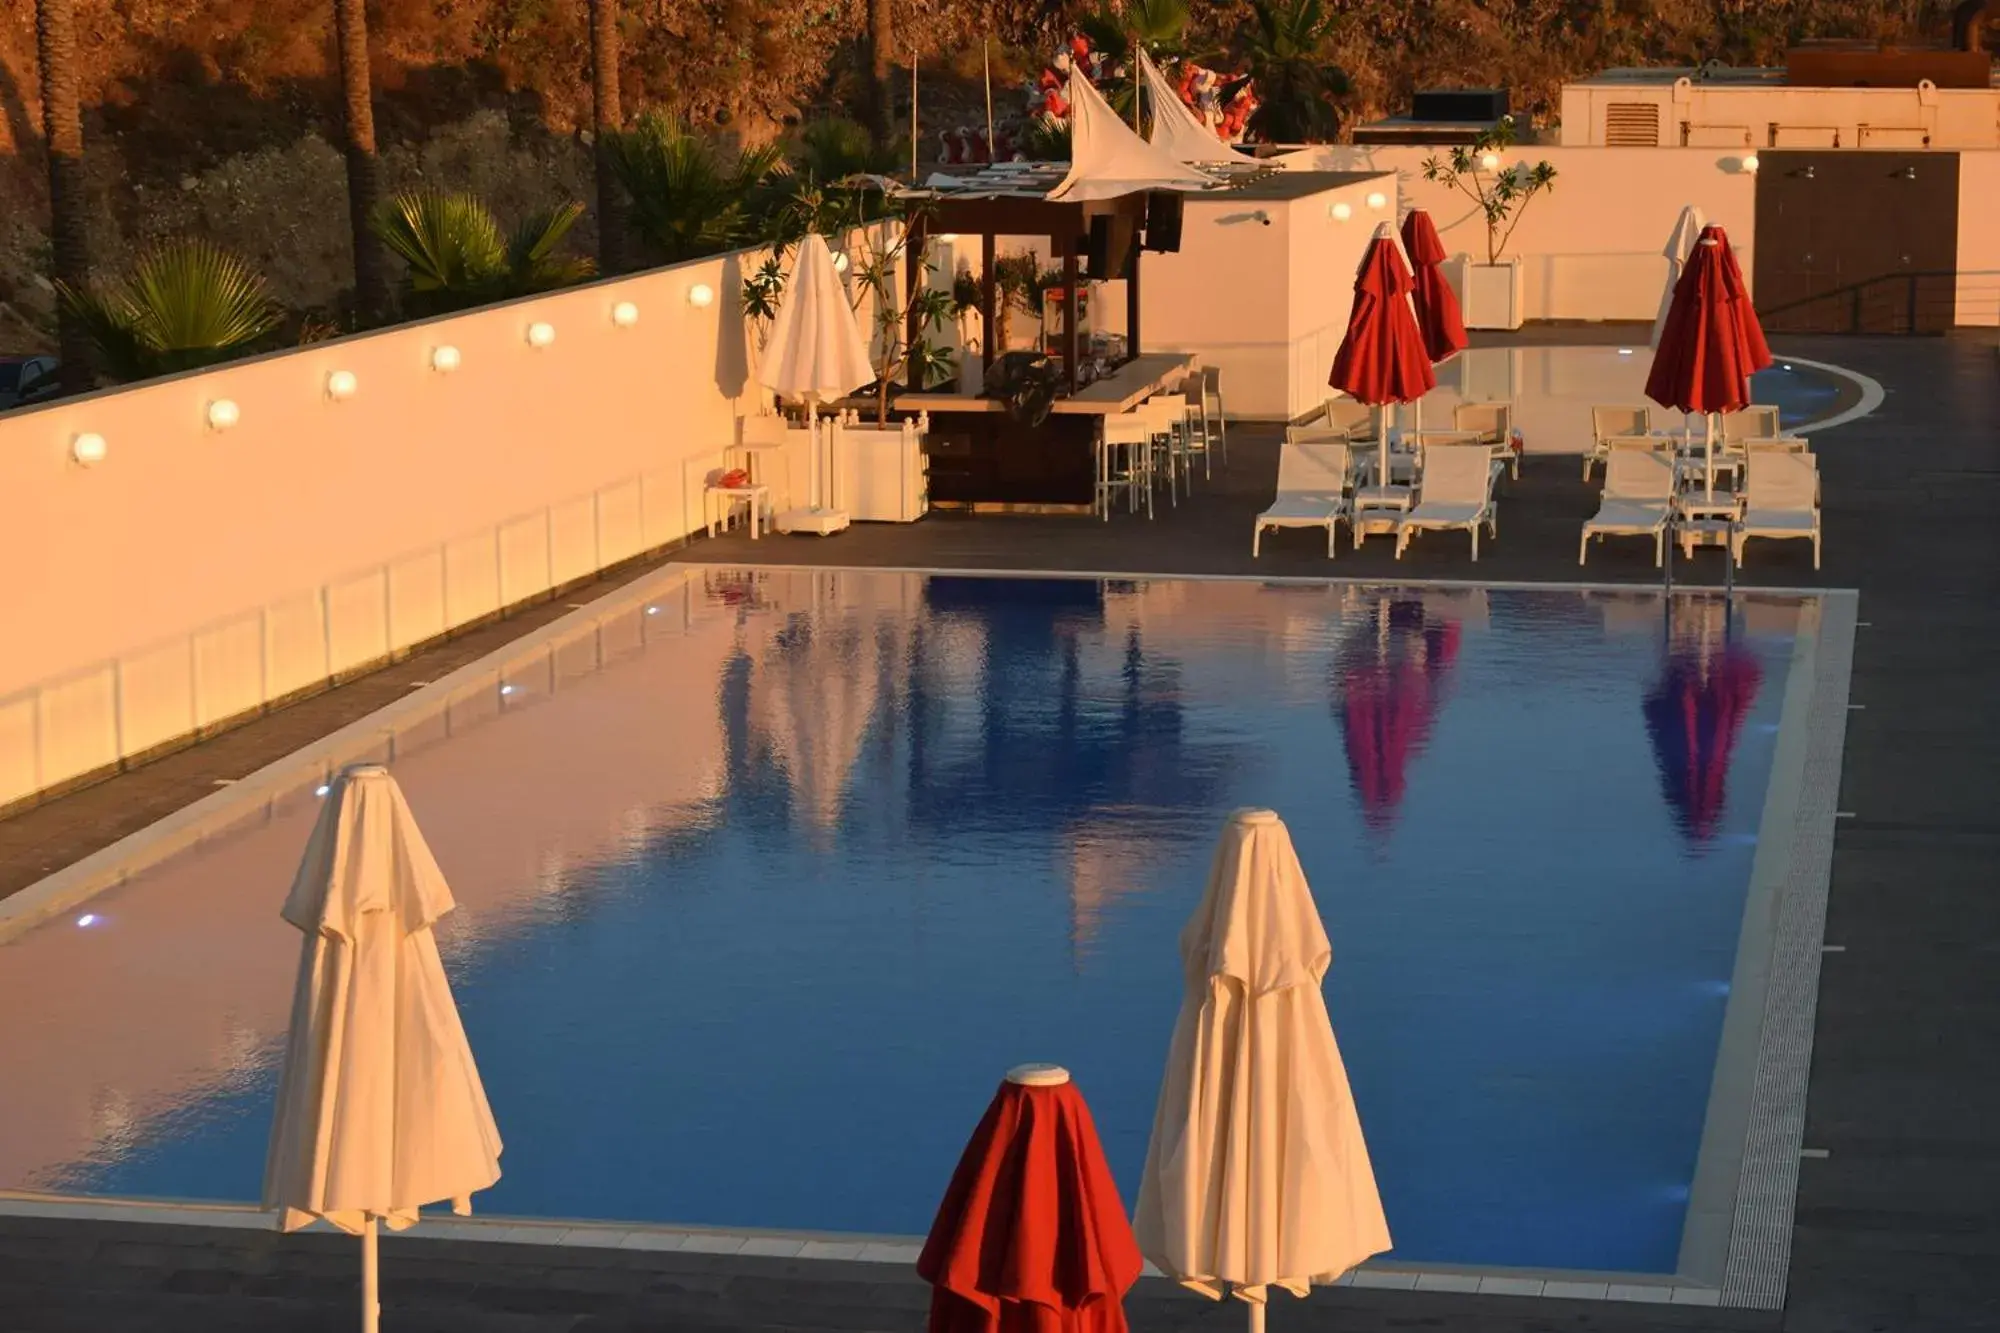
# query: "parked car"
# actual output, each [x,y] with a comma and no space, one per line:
[27,379]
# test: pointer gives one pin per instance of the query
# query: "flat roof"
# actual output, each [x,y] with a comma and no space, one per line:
[1276,186]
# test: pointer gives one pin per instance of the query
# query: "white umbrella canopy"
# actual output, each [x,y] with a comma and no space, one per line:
[1177,129]
[380,1107]
[1108,158]
[1680,245]
[1257,1174]
[815,353]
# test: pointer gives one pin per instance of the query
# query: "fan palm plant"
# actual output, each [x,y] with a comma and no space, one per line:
[458,257]
[689,199]
[1288,50]
[186,303]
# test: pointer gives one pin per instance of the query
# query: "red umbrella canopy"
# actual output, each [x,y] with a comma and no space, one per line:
[1382,359]
[1711,342]
[1438,317]
[1032,1236]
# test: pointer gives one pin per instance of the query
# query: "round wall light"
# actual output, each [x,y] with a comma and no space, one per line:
[1750,163]
[87,449]
[1489,161]
[701,296]
[1378,201]
[1340,212]
[540,334]
[840,261]
[625,314]
[444,359]
[341,384]
[223,413]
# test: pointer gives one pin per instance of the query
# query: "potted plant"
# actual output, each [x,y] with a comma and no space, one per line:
[1490,292]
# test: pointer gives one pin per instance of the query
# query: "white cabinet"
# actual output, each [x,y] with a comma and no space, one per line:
[879,472]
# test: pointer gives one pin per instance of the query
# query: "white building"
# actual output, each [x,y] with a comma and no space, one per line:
[1753,109]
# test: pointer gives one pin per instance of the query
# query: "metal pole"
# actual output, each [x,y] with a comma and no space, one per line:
[913,114]
[986,67]
[1256,1316]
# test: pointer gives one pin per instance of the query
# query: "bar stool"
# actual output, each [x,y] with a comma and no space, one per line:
[1211,404]
[1196,424]
[1124,462]
[1167,418]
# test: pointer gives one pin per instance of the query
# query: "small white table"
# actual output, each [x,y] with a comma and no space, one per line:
[1702,522]
[1378,509]
[719,505]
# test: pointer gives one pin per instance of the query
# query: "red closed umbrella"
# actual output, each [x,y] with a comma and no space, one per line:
[1438,317]
[1382,359]
[1711,342]
[1693,717]
[1032,1236]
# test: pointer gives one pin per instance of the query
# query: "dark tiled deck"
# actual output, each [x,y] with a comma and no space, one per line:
[1898,1229]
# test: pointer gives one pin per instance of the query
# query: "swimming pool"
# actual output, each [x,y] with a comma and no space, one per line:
[765,878]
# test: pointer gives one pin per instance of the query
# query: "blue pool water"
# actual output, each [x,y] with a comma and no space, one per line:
[926,828]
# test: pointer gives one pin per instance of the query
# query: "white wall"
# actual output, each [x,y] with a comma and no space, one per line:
[1593,249]
[193,575]
[1264,304]
[1979,239]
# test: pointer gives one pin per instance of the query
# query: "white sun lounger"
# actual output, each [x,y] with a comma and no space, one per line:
[1638,501]
[1455,492]
[1780,499]
[1608,423]
[1312,491]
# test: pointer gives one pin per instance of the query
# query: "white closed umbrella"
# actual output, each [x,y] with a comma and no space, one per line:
[816,354]
[1257,1175]
[380,1108]
[1680,245]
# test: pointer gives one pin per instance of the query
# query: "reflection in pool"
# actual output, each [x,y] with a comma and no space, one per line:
[759,895]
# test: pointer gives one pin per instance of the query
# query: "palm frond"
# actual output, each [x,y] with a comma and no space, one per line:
[186,303]
[687,200]
[451,242]
[533,264]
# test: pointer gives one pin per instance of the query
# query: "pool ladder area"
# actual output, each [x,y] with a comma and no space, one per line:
[1728,566]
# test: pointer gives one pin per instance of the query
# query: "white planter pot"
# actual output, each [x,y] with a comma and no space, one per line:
[1491,295]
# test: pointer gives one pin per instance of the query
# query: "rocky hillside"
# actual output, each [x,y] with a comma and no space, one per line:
[216,116]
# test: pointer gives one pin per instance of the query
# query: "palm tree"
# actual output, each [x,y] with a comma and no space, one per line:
[688,199]
[609,120]
[1287,48]
[186,303]
[62,123]
[458,257]
[882,83]
[371,279]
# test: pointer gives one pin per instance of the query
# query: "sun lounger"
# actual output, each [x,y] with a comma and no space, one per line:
[1638,501]
[1494,425]
[1312,492]
[1608,423]
[1780,499]
[1455,492]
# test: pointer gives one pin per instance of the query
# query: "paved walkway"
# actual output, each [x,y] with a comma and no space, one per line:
[1898,1227]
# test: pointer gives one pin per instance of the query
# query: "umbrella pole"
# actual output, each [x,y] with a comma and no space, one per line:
[1382,446]
[1256,1316]
[371,1306]
[812,451]
[1708,452]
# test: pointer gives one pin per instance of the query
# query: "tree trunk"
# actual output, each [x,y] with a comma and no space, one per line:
[609,120]
[882,91]
[62,122]
[371,279]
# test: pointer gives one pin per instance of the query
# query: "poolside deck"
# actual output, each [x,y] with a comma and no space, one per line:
[1898,1227]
